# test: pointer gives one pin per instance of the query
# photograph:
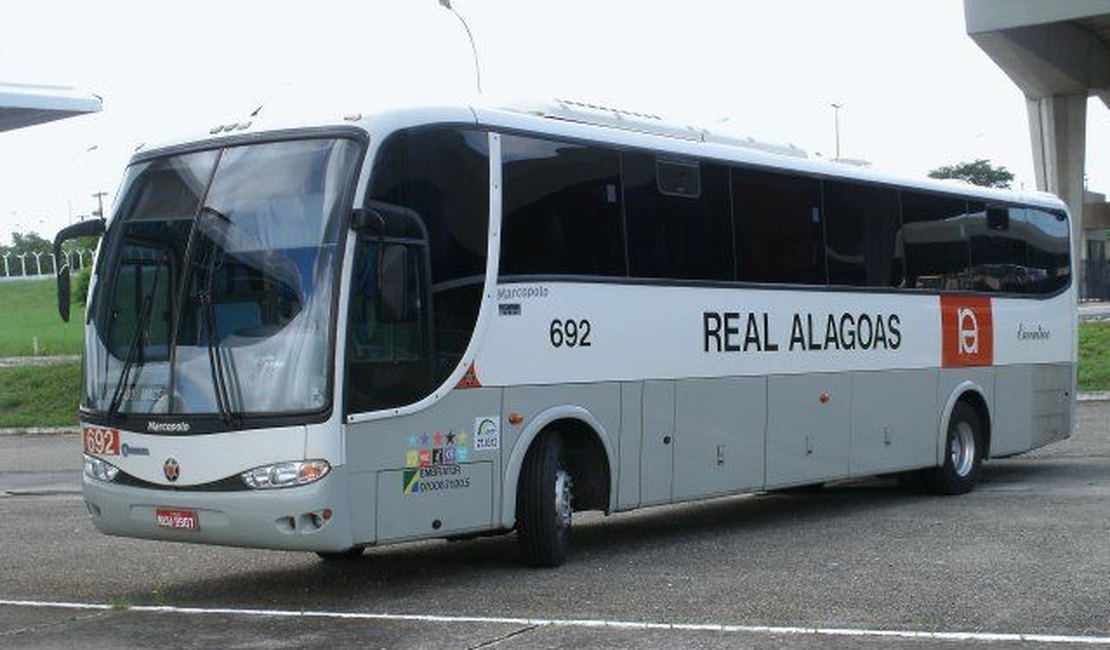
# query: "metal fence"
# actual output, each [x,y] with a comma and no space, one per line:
[41,265]
[1096,280]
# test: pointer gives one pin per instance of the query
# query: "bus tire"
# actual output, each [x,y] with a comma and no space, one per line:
[341,556]
[544,504]
[963,454]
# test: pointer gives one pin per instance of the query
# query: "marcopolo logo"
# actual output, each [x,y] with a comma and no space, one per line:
[172,469]
[167,427]
[967,329]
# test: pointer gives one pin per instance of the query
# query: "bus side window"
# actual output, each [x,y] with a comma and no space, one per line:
[999,253]
[1046,234]
[861,223]
[778,227]
[562,209]
[679,226]
[935,239]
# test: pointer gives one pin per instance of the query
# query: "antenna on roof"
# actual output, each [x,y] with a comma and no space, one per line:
[446,4]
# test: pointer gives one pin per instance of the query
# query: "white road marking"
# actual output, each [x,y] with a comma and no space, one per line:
[579,623]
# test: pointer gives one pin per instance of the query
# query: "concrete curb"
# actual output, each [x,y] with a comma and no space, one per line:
[1099,396]
[41,431]
[20,362]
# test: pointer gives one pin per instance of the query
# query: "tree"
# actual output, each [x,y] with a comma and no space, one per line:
[29,243]
[979,172]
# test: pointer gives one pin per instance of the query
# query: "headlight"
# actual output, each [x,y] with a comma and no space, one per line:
[279,475]
[99,469]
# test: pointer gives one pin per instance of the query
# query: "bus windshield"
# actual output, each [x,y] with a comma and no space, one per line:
[215,292]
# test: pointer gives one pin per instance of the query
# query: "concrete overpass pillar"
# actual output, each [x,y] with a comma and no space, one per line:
[1058,127]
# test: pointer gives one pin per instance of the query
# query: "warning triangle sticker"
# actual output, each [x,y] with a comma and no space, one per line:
[470,379]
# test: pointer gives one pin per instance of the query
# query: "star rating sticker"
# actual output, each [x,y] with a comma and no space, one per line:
[423,440]
[450,437]
[412,441]
[463,437]
[438,439]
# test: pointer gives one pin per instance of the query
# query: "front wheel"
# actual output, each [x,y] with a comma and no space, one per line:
[963,454]
[544,504]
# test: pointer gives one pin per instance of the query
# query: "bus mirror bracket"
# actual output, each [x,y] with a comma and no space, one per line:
[90,228]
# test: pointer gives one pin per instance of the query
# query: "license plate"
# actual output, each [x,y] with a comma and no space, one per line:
[176,519]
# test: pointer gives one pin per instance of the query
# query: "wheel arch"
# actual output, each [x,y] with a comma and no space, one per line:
[974,395]
[587,443]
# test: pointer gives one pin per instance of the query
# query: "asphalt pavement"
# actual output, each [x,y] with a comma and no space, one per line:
[1023,560]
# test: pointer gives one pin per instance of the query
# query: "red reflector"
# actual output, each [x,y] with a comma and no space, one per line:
[470,379]
[326,514]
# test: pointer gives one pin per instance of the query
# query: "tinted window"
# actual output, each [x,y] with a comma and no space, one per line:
[678,219]
[1018,250]
[778,227]
[999,254]
[861,223]
[431,187]
[1046,234]
[934,240]
[442,175]
[561,209]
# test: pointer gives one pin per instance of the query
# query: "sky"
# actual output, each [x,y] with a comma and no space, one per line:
[916,92]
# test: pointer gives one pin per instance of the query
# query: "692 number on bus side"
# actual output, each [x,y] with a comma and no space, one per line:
[570,333]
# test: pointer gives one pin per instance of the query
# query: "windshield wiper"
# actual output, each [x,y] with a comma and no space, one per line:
[215,355]
[142,332]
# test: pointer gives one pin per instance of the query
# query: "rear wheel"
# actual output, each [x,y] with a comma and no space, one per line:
[963,455]
[544,503]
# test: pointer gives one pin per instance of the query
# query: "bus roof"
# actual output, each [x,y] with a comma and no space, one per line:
[587,122]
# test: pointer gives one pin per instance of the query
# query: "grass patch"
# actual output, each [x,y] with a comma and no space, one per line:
[40,396]
[1094,356]
[32,306]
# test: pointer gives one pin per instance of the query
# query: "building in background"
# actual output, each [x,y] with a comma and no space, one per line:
[1058,54]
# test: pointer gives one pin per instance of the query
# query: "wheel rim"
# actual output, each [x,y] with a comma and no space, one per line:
[961,449]
[562,499]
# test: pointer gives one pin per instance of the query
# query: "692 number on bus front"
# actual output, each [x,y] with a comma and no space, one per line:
[570,333]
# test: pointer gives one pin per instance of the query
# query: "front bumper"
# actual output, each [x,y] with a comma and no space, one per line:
[284,518]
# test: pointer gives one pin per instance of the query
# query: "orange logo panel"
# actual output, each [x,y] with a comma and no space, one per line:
[967,331]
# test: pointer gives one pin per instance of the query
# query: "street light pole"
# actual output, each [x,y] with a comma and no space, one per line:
[446,4]
[836,125]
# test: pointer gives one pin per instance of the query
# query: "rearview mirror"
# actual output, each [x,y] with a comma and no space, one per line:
[90,228]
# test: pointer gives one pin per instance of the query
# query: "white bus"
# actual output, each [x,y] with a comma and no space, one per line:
[447,321]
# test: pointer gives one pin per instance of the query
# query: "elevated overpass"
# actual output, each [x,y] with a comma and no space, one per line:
[1058,54]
